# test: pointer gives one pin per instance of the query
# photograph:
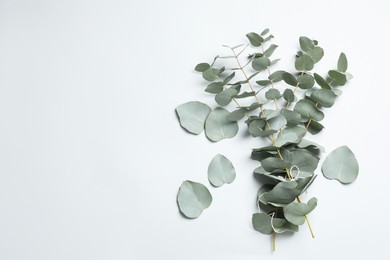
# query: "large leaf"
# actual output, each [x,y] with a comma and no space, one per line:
[308,109]
[304,63]
[221,171]
[341,165]
[295,212]
[262,222]
[324,97]
[192,116]
[193,198]
[217,127]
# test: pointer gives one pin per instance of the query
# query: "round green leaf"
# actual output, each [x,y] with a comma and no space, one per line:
[224,97]
[341,165]
[308,109]
[277,122]
[217,127]
[261,63]
[293,118]
[214,87]
[314,127]
[276,76]
[305,43]
[255,39]
[192,116]
[272,94]
[304,63]
[221,171]
[338,77]
[255,127]
[295,212]
[321,81]
[262,222]
[324,97]
[237,114]
[202,67]
[315,54]
[193,198]
[305,81]
[290,79]
[288,95]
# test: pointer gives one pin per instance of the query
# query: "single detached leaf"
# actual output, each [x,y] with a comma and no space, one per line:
[341,165]
[324,97]
[221,171]
[321,81]
[262,223]
[338,77]
[304,63]
[272,94]
[305,43]
[202,67]
[295,212]
[342,63]
[308,109]
[255,39]
[261,63]
[217,127]
[192,116]
[193,198]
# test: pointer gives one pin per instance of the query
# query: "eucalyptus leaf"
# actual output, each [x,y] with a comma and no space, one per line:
[272,94]
[236,115]
[255,127]
[314,127]
[305,81]
[245,94]
[273,163]
[305,43]
[308,110]
[255,39]
[290,79]
[287,139]
[268,52]
[281,226]
[315,54]
[281,195]
[261,63]
[342,63]
[221,171]
[264,32]
[288,95]
[276,76]
[193,198]
[192,116]
[321,81]
[341,165]
[293,118]
[304,63]
[214,87]
[295,212]
[217,127]
[264,83]
[338,77]
[324,97]
[224,97]
[201,67]
[277,122]
[262,223]
[212,74]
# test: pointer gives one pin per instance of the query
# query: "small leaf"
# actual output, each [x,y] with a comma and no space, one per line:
[192,116]
[272,94]
[308,110]
[264,32]
[342,63]
[341,165]
[315,54]
[290,79]
[221,171]
[193,198]
[217,127]
[255,39]
[305,81]
[268,52]
[261,63]
[295,212]
[314,127]
[263,83]
[262,223]
[237,114]
[276,76]
[214,87]
[321,81]
[212,74]
[338,77]
[324,97]
[305,43]
[201,67]
[224,97]
[228,78]
[304,63]
[288,95]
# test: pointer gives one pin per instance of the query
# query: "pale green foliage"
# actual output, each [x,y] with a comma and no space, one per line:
[281,109]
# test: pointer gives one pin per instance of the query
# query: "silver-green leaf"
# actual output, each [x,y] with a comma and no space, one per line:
[192,116]
[295,212]
[217,127]
[342,63]
[261,63]
[255,39]
[308,110]
[193,198]
[341,165]
[304,63]
[262,222]
[221,171]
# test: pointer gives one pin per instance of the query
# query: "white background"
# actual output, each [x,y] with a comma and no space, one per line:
[92,155]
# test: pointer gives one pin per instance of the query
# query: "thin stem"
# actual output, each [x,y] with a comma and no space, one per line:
[273,241]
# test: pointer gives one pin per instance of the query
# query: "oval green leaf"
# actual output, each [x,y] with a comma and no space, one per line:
[261,63]
[217,127]
[262,223]
[342,63]
[304,63]
[255,39]
[193,198]
[192,116]
[272,94]
[295,212]
[308,110]
[341,165]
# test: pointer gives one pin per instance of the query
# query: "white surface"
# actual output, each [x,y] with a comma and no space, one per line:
[91,153]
